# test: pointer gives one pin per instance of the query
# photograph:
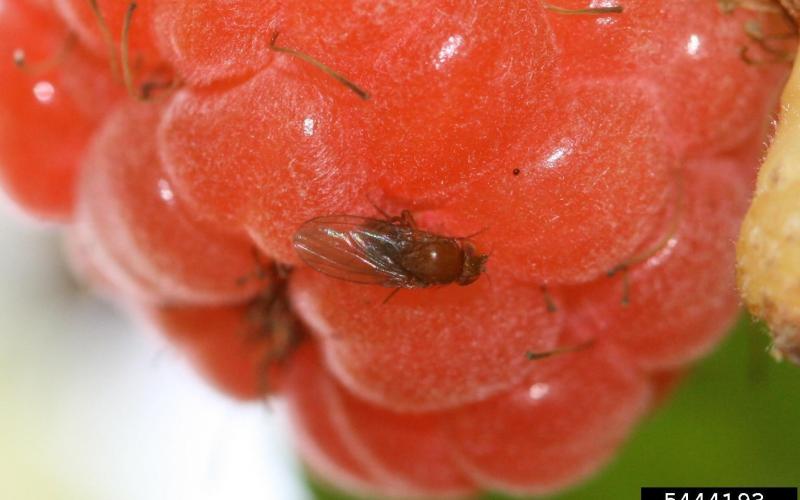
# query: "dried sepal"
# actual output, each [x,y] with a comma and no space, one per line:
[768,251]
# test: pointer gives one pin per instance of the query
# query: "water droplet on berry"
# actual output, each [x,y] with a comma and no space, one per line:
[693,45]
[538,391]
[165,191]
[44,92]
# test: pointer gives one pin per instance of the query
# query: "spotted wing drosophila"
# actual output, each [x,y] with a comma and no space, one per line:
[390,252]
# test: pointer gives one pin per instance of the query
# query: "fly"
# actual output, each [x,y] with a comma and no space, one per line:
[391,252]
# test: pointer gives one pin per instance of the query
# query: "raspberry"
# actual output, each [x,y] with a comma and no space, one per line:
[605,196]
[713,205]
[441,73]
[652,41]
[367,448]
[604,153]
[212,40]
[228,344]
[104,37]
[57,106]
[469,342]
[256,155]
[140,236]
[583,404]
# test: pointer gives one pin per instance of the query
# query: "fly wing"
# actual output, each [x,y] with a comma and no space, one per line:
[352,248]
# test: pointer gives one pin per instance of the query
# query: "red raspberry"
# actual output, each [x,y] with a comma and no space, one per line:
[46,114]
[442,73]
[687,48]
[267,154]
[591,182]
[364,447]
[102,37]
[212,40]
[227,344]
[427,349]
[667,286]
[562,423]
[605,194]
[140,236]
